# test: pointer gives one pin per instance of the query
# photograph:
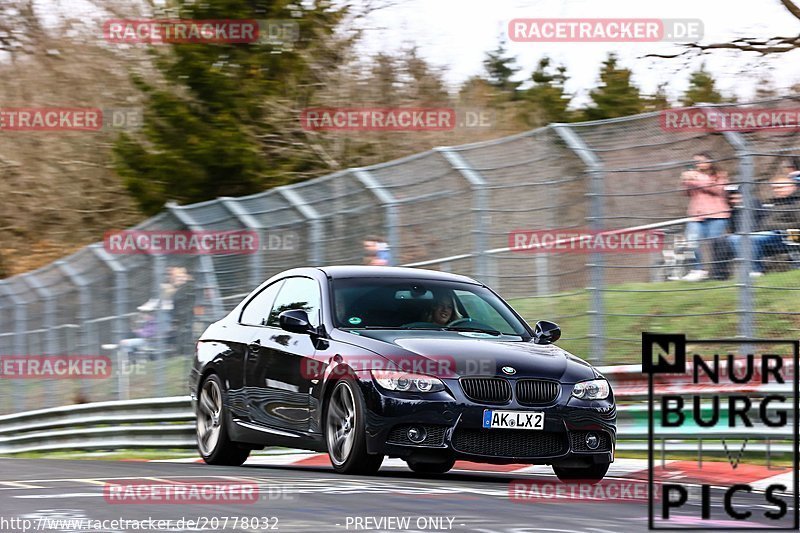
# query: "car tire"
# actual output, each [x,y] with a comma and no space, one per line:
[590,474]
[213,443]
[345,431]
[431,468]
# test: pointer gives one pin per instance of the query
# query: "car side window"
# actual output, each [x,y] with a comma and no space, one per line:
[257,310]
[297,293]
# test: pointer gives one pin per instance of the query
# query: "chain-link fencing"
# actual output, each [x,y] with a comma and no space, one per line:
[454,209]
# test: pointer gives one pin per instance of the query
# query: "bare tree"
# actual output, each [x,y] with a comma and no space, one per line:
[760,45]
[59,187]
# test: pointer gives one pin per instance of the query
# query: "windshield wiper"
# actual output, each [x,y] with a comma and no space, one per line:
[389,327]
[473,330]
[432,328]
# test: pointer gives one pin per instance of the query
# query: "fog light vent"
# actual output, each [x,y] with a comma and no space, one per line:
[416,434]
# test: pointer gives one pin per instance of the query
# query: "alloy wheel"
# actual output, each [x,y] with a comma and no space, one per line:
[209,414]
[341,422]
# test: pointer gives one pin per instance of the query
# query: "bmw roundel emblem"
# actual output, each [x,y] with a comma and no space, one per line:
[510,370]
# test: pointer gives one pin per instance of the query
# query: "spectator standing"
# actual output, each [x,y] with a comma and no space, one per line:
[708,206]
[377,251]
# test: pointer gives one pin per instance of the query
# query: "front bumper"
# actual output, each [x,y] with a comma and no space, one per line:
[454,427]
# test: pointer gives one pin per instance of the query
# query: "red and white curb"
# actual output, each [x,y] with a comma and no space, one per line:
[712,472]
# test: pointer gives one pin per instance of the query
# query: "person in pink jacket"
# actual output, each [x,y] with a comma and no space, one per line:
[708,206]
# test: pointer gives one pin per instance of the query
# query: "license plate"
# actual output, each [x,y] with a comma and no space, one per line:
[512,419]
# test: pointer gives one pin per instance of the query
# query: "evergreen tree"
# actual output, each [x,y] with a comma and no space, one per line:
[500,68]
[658,101]
[209,129]
[616,96]
[547,97]
[701,89]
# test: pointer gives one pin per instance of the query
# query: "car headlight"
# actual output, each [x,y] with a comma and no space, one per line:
[407,382]
[595,389]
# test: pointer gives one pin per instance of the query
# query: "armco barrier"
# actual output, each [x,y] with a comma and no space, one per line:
[146,423]
[169,422]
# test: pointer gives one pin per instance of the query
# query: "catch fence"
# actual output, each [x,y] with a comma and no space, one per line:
[452,209]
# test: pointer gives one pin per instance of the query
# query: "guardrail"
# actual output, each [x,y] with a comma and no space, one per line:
[169,422]
[147,423]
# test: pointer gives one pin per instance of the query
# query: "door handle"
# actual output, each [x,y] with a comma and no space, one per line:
[255,345]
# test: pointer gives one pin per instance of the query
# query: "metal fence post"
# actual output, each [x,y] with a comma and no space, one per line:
[162,317]
[83,312]
[250,222]
[120,309]
[389,203]
[595,194]
[20,341]
[209,291]
[477,184]
[746,227]
[50,345]
[316,252]
[49,311]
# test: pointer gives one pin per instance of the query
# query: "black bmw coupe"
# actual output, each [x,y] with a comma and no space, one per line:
[365,362]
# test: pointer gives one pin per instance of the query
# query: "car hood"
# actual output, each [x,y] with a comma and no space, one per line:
[456,354]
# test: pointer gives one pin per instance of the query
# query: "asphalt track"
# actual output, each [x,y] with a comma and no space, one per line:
[310,497]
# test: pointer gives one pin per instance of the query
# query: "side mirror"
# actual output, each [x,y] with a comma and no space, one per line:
[545,332]
[295,321]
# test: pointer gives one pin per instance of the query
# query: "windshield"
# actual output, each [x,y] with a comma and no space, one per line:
[399,303]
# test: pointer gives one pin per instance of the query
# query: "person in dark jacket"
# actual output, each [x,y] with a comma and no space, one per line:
[781,213]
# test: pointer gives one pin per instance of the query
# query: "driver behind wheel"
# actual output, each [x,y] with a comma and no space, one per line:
[443,309]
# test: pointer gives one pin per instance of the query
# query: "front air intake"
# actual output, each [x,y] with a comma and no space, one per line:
[537,391]
[486,390]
